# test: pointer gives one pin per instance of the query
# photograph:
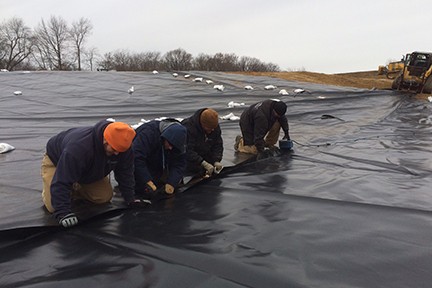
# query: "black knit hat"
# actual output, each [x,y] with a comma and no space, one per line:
[280,107]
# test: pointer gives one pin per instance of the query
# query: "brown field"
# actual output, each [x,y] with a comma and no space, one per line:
[366,79]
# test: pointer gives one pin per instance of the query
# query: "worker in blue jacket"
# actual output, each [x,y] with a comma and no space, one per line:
[77,163]
[160,156]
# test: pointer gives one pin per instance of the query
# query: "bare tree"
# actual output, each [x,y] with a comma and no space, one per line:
[272,67]
[122,60]
[16,43]
[90,56]
[251,64]
[106,62]
[79,32]
[119,60]
[152,60]
[52,42]
[178,60]
[125,61]
[224,62]
[147,61]
[55,46]
[202,62]
[3,52]
[137,62]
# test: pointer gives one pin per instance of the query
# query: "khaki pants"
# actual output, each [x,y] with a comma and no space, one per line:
[270,139]
[98,192]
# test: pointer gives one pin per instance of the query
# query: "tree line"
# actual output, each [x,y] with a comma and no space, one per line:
[57,45]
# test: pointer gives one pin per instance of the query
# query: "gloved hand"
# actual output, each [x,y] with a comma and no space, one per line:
[150,186]
[169,189]
[68,220]
[166,189]
[218,167]
[208,167]
[139,203]
[286,137]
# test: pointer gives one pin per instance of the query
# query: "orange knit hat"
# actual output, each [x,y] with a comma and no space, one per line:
[209,118]
[119,136]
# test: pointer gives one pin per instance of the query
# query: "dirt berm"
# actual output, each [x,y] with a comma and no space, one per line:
[365,79]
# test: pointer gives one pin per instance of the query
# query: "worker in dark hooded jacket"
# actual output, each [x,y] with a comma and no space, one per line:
[205,144]
[160,156]
[77,163]
[260,125]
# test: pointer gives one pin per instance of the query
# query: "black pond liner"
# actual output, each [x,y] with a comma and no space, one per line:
[350,206]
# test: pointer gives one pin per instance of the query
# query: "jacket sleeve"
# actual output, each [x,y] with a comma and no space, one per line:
[284,124]
[68,171]
[192,156]
[124,175]
[217,148]
[141,148]
[177,167]
[260,130]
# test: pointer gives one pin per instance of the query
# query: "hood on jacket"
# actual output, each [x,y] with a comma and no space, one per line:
[175,134]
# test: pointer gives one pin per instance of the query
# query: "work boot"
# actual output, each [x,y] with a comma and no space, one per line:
[237,142]
[274,149]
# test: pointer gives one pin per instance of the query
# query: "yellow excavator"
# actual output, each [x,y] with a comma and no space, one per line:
[416,73]
[392,69]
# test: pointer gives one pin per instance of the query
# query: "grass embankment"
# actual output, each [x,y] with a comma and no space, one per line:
[365,79]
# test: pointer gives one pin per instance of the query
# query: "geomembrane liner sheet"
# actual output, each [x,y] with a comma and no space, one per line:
[350,206]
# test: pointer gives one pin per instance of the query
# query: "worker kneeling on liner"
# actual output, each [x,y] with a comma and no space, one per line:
[77,163]
[260,125]
[160,157]
[204,144]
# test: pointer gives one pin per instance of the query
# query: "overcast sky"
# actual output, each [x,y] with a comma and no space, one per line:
[326,36]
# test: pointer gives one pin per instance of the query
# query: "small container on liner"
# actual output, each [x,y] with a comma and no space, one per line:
[285,144]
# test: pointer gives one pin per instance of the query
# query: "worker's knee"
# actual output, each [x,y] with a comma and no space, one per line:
[101,198]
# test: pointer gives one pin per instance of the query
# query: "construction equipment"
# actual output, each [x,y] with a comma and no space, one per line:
[392,69]
[416,73]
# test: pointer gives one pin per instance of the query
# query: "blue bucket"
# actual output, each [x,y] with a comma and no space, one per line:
[285,144]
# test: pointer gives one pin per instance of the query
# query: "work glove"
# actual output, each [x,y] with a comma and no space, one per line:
[218,167]
[150,186]
[169,189]
[208,167]
[139,203]
[166,189]
[68,220]
[164,192]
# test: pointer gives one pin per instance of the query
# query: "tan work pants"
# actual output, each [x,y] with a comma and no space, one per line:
[98,192]
[270,139]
